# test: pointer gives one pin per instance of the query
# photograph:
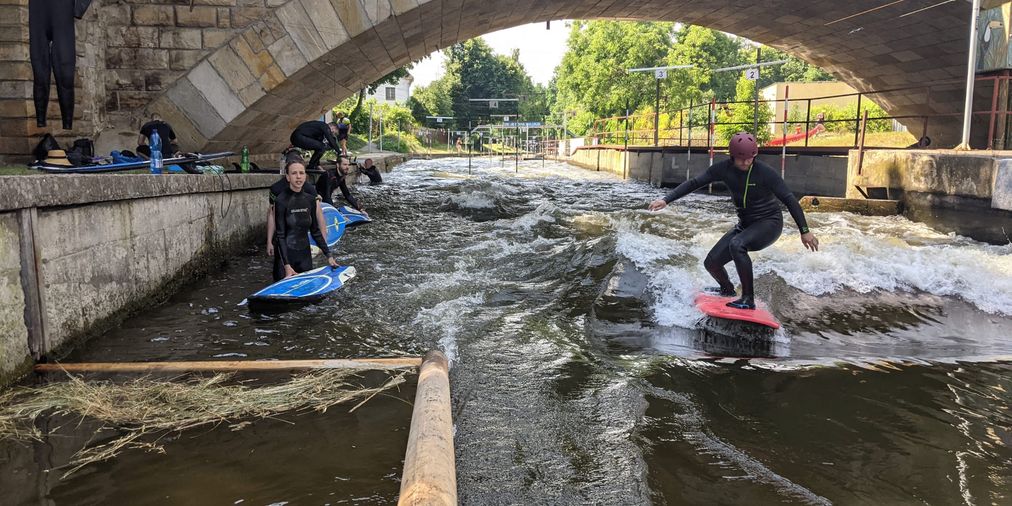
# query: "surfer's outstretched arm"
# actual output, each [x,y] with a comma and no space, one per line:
[711,175]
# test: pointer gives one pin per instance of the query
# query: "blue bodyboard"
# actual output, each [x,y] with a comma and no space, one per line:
[123,166]
[353,217]
[309,286]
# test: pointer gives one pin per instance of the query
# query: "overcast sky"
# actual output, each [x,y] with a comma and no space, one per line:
[541,51]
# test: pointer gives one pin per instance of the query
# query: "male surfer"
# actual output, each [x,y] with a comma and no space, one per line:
[295,216]
[755,188]
[335,178]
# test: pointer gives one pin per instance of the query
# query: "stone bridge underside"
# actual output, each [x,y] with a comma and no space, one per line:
[299,57]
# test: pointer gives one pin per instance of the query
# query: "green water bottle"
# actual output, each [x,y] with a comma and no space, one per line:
[244,163]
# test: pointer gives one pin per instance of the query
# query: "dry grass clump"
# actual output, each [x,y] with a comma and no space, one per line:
[145,409]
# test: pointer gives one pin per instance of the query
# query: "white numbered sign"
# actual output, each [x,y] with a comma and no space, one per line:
[752,74]
[661,73]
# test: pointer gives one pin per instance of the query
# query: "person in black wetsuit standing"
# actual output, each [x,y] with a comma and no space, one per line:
[295,217]
[755,188]
[275,190]
[317,136]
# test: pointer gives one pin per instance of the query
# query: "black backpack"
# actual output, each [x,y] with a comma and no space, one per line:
[47,144]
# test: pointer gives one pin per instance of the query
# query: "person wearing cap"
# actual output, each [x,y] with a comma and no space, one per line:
[755,189]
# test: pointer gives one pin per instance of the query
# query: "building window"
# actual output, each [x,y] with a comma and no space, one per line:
[391,93]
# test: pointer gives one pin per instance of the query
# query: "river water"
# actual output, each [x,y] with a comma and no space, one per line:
[582,374]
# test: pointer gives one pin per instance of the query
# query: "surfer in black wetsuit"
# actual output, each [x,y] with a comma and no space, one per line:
[275,190]
[317,136]
[335,178]
[295,217]
[755,188]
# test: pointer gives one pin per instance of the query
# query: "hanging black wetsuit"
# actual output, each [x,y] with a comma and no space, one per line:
[294,220]
[760,221]
[312,135]
[52,51]
[326,184]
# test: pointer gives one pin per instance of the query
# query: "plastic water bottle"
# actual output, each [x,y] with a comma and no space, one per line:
[244,164]
[156,153]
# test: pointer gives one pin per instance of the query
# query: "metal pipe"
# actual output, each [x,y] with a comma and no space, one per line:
[971,69]
[783,152]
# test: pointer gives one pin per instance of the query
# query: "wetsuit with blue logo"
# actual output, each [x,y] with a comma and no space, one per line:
[757,194]
[294,220]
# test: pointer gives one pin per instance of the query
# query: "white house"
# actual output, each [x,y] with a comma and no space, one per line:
[394,93]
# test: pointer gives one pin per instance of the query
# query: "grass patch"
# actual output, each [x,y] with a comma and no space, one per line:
[16,170]
[871,140]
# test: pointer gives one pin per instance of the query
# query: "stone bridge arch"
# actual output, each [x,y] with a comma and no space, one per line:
[231,72]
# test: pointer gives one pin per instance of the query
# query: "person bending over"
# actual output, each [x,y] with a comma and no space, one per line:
[316,136]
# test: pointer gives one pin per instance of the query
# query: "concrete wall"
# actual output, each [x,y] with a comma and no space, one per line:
[961,192]
[805,175]
[14,354]
[79,253]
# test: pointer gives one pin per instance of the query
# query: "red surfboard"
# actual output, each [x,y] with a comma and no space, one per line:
[716,306]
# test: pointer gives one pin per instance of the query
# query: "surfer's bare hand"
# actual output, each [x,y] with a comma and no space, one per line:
[657,205]
[289,272]
[331,262]
[270,249]
[810,241]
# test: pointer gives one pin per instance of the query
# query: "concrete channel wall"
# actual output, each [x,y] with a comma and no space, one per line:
[805,174]
[79,253]
[968,193]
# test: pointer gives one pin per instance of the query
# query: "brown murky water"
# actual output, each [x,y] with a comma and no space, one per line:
[582,374]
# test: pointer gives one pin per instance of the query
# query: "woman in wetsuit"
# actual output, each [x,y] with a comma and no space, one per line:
[755,188]
[295,217]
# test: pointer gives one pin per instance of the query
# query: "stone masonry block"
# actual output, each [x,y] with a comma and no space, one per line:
[232,68]
[353,16]
[143,58]
[153,15]
[116,14]
[326,22]
[132,36]
[198,111]
[184,59]
[300,27]
[198,17]
[224,17]
[287,56]
[210,83]
[214,39]
[246,16]
[181,38]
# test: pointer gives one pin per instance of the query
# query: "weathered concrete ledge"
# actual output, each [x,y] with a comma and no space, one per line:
[79,253]
[868,207]
[968,193]
[22,192]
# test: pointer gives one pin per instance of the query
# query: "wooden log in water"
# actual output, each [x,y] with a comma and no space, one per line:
[232,365]
[430,476]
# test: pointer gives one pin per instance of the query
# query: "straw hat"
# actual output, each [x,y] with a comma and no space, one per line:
[57,157]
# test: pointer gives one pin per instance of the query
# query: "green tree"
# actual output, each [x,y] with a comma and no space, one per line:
[432,100]
[707,50]
[592,76]
[474,71]
[795,70]
[391,78]
[740,117]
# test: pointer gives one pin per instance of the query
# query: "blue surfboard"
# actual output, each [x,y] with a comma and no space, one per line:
[123,166]
[338,220]
[335,225]
[309,286]
[353,217]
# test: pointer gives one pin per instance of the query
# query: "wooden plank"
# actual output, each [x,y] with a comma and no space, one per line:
[430,476]
[232,365]
[31,282]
